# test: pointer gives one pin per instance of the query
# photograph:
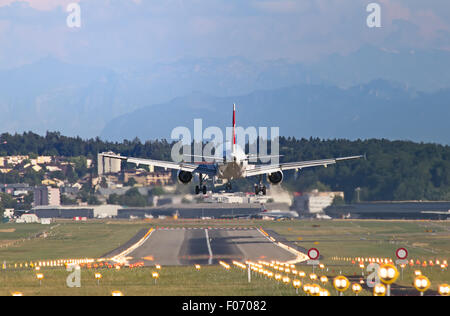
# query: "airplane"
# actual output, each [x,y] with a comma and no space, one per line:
[235,166]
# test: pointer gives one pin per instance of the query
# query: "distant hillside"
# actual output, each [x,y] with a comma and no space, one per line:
[80,99]
[52,95]
[379,109]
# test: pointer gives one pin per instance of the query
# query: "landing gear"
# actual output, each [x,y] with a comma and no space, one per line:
[260,188]
[201,187]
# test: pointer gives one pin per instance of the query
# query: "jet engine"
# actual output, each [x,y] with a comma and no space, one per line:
[275,177]
[184,176]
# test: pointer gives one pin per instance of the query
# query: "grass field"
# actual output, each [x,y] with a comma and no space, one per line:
[178,281]
[65,240]
[425,240]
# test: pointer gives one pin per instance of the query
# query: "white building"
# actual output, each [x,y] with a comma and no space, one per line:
[107,165]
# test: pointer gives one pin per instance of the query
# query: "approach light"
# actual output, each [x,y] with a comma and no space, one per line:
[379,290]
[421,283]
[314,290]
[388,273]
[324,292]
[341,284]
[307,288]
[313,277]
[356,288]
[444,290]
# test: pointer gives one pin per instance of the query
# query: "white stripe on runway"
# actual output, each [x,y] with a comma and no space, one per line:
[209,247]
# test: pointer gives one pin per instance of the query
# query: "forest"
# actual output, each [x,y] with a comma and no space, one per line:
[393,170]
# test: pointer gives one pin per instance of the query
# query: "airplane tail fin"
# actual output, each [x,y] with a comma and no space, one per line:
[234,129]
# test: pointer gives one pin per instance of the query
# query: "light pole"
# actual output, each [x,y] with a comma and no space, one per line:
[421,283]
[98,276]
[358,192]
[356,288]
[297,284]
[155,276]
[40,277]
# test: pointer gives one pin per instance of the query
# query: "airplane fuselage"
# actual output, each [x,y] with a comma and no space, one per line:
[233,165]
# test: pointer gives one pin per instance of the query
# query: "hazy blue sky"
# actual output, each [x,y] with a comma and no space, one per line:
[117,32]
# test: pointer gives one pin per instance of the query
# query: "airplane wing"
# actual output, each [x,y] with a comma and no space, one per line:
[184,166]
[254,170]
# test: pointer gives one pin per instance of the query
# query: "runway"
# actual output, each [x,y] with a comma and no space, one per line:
[184,246]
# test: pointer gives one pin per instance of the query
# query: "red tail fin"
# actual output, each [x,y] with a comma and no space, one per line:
[234,124]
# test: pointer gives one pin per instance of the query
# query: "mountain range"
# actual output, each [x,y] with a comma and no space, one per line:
[378,109]
[369,93]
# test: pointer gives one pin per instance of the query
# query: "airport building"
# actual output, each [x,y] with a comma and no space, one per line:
[65,213]
[392,210]
[71,212]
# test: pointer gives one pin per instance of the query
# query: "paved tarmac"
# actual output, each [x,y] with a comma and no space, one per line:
[181,246]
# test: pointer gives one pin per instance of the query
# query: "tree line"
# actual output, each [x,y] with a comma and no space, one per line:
[393,170]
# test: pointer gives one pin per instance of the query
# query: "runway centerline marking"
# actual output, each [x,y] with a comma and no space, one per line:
[209,248]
